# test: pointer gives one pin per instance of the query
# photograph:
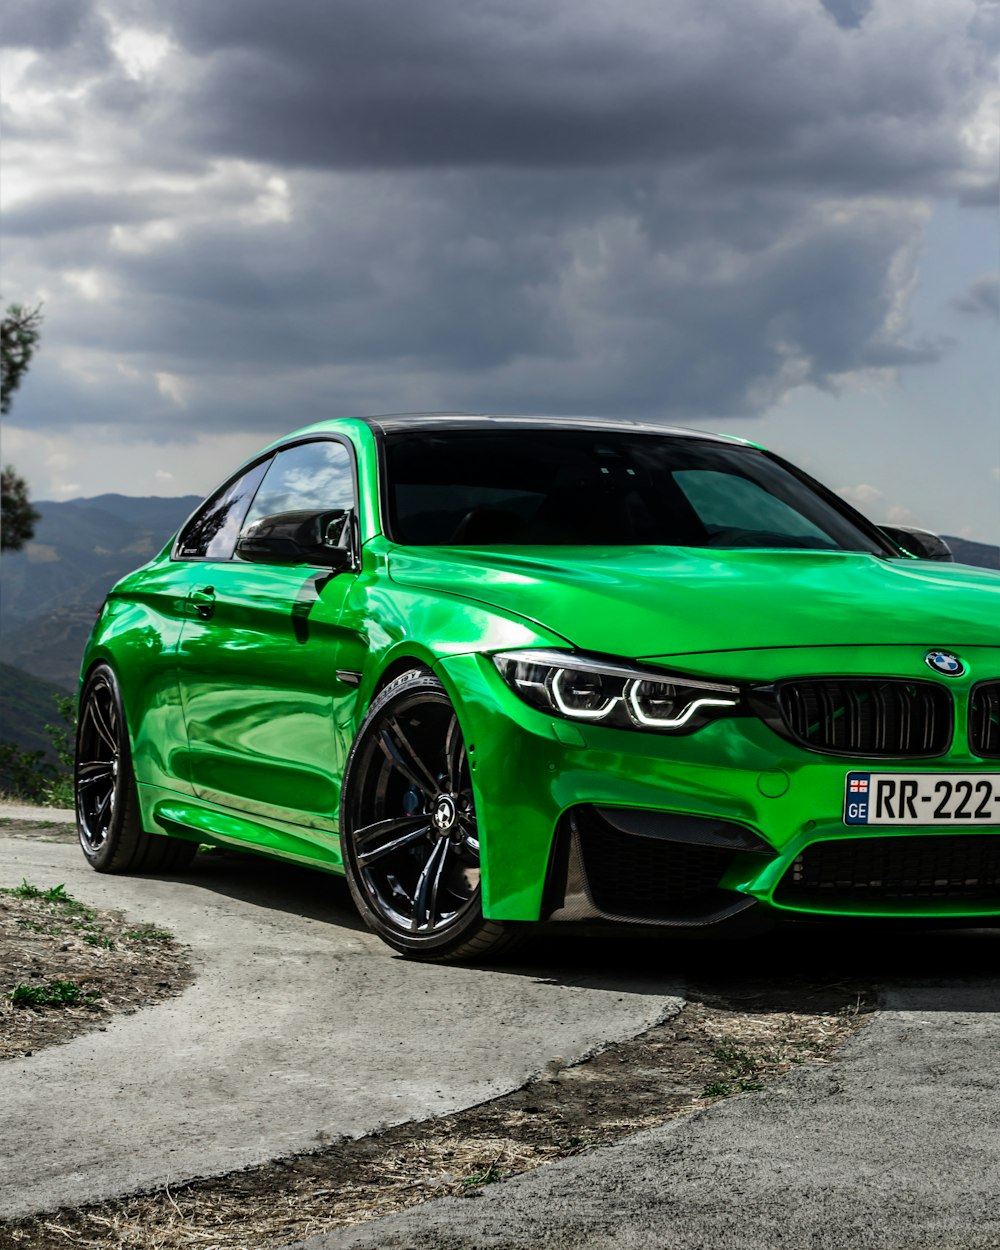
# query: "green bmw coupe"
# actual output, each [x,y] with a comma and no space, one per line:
[507,670]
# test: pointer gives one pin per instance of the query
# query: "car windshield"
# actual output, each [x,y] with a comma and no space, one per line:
[551,487]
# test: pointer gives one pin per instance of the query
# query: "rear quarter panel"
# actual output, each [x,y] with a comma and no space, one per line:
[137,634]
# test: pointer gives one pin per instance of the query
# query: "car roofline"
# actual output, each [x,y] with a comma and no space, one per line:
[416,422]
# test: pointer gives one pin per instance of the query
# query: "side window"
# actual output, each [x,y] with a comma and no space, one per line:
[212,532]
[308,486]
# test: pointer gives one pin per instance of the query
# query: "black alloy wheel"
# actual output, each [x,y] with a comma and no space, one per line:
[408,827]
[107,805]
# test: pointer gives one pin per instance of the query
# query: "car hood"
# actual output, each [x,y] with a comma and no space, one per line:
[664,601]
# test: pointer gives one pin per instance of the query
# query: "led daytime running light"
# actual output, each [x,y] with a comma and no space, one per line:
[655,722]
[577,713]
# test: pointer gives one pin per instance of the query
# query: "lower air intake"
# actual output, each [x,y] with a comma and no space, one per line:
[961,868]
[649,878]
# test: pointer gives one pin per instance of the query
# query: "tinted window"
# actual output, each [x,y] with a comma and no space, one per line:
[212,532]
[308,478]
[726,501]
[572,487]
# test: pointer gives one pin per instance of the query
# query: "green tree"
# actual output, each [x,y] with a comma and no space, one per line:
[31,776]
[19,333]
[17,516]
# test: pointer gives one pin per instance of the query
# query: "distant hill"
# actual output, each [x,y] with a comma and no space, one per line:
[50,593]
[982,554]
[27,705]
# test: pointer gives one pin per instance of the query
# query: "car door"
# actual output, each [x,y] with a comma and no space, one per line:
[258,654]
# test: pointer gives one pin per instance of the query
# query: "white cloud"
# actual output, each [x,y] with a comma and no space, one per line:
[173,387]
[900,515]
[861,496]
[140,51]
[92,284]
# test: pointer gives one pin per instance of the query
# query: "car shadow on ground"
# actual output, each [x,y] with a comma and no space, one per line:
[888,953]
[272,884]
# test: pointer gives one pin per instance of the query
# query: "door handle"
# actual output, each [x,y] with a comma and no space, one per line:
[203,602]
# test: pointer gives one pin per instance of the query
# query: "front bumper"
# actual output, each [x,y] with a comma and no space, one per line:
[547,792]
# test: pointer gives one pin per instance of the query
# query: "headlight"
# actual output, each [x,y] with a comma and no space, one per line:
[587,688]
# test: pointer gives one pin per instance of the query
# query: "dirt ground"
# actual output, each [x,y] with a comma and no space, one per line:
[732,1037]
[66,968]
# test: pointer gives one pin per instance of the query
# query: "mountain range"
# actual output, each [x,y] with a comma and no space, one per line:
[51,592]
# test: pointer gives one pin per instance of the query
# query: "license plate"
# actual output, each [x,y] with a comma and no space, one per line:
[955,799]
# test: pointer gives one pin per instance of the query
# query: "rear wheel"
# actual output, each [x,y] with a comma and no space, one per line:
[107,805]
[408,827]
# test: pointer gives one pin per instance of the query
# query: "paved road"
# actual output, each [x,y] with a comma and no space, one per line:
[895,1146]
[301,1027]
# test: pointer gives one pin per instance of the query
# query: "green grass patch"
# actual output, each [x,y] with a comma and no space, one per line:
[24,890]
[736,1060]
[490,1176]
[56,895]
[34,927]
[723,1089]
[738,1068]
[51,994]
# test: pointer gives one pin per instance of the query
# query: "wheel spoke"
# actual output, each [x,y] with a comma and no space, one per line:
[101,725]
[470,835]
[428,885]
[86,770]
[102,806]
[398,750]
[454,755]
[94,778]
[408,829]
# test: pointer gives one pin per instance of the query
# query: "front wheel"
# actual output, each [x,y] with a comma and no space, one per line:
[408,827]
[107,804]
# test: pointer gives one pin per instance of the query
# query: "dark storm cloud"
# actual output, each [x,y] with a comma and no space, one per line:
[399,296]
[768,90]
[55,214]
[676,209]
[45,25]
[70,36]
[982,299]
[847,13]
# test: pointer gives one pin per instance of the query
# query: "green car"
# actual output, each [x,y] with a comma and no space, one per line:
[499,671]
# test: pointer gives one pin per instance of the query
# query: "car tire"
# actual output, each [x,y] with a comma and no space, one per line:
[408,828]
[108,818]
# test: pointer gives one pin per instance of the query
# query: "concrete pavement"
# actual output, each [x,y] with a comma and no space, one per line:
[894,1146]
[301,1028]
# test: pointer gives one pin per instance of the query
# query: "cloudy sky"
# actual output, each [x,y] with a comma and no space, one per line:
[772,218]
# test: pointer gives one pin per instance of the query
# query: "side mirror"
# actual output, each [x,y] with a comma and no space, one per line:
[916,542]
[301,538]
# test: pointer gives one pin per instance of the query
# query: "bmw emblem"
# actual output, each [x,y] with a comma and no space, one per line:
[945,662]
[444,814]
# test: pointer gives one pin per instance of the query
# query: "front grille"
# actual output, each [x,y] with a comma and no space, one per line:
[648,878]
[873,716]
[897,870]
[984,720]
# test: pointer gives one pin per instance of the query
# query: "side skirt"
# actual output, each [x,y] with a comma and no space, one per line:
[182,816]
